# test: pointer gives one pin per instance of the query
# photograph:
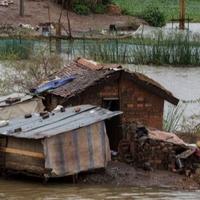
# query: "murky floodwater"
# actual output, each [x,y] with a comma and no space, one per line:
[183,82]
[20,190]
[193,27]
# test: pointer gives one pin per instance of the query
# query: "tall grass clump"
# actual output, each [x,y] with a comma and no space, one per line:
[175,49]
[173,118]
[109,51]
[154,16]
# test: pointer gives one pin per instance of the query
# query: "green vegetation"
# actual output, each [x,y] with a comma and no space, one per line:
[154,16]
[169,7]
[178,50]
[81,9]
[99,9]
[15,49]
[85,7]
[173,118]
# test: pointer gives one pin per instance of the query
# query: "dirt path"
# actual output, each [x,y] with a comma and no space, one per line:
[121,174]
[36,11]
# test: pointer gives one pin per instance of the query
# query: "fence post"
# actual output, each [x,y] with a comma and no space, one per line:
[21,8]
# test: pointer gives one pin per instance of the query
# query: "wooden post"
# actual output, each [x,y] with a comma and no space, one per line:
[182,14]
[21,8]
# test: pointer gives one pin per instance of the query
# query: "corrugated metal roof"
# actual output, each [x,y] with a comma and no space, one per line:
[58,122]
[88,73]
[23,97]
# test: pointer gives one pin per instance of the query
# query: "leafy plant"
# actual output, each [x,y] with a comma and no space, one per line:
[154,16]
[81,9]
[105,2]
[99,9]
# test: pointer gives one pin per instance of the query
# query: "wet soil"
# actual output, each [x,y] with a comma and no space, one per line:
[121,174]
[36,11]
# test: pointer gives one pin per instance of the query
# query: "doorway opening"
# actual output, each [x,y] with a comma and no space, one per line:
[113,125]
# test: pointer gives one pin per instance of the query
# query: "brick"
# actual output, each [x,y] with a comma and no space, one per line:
[140,105]
[130,106]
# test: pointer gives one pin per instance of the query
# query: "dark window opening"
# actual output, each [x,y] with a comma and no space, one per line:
[113,125]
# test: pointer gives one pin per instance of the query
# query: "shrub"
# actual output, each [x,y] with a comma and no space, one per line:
[81,9]
[125,11]
[99,9]
[154,17]
[105,2]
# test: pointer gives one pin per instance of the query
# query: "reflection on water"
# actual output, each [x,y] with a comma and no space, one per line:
[17,190]
[193,27]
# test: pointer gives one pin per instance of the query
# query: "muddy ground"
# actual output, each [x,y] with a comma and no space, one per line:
[36,11]
[121,174]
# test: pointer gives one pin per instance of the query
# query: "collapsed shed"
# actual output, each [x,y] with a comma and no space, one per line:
[19,104]
[56,144]
[110,86]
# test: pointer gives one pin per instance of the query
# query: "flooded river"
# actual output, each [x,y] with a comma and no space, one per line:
[20,190]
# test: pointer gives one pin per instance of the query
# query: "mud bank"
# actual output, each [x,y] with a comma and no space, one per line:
[121,174]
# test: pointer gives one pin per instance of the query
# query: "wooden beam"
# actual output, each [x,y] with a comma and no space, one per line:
[182,14]
[22,152]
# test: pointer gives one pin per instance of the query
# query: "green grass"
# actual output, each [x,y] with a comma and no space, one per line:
[169,7]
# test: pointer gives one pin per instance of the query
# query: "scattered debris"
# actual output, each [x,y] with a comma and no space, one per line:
[6,3]
[152,149]
[26,26]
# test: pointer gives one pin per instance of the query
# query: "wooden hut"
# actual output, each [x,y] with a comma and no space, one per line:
[56,144]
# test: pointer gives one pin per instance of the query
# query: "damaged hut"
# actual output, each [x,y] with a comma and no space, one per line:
[140,98]
[60,143]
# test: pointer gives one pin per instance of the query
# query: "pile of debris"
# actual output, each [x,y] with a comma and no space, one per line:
[153,149]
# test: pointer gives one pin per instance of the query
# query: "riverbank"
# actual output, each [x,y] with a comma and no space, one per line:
[121,174]
[36,12]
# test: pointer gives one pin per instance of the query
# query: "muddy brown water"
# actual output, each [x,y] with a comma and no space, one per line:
[23,190]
